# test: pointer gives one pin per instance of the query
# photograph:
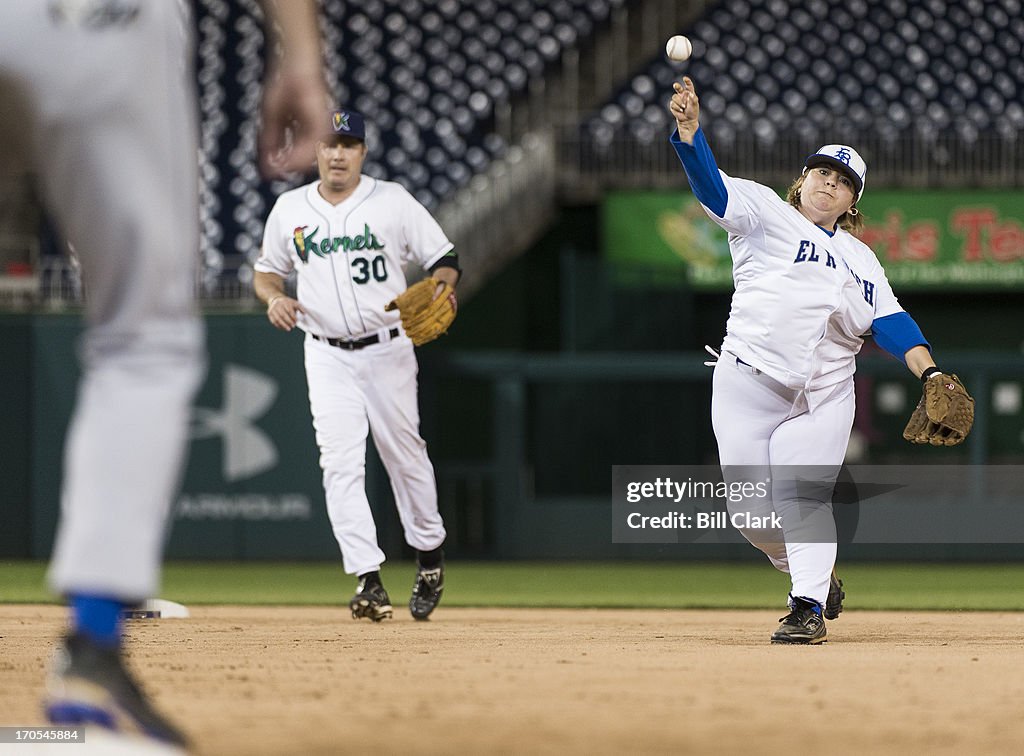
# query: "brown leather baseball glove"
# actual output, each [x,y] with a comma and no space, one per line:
[944,415]
[424,316]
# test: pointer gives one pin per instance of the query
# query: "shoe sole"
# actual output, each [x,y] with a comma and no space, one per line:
[800,642]
[373,612]
[421,616]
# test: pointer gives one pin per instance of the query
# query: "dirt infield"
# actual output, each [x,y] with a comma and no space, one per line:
[273,680]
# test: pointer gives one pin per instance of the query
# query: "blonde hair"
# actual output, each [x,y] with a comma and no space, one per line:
[850,222]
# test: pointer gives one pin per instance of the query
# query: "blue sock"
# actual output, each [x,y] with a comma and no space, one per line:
[98,618]
[815,606]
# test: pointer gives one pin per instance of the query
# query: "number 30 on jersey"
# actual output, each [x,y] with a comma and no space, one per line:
[363,269]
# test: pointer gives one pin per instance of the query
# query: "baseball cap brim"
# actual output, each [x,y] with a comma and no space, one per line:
[337,137]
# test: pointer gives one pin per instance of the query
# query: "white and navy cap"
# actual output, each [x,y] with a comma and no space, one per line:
[348,123]
[845,159]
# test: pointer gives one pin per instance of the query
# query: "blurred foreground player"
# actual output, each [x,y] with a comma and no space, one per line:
[108,127]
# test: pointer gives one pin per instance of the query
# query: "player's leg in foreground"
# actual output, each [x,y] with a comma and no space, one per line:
[393,412]
[88,684]
[118,170]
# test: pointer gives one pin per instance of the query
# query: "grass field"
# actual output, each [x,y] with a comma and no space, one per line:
[572,584]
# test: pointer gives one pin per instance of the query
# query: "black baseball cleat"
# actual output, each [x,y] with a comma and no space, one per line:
[426,591]
[89,685]
[371,601]
[836,594]
[803,625]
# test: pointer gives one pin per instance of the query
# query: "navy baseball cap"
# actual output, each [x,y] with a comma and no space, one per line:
[348,123]
[843,158]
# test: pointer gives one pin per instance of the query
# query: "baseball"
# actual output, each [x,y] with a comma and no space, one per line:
[678,48]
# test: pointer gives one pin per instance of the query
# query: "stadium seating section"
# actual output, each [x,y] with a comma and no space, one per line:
[430,76]
[849,71]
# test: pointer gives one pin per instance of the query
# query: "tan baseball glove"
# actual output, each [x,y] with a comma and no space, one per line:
[944,415]
[424,316]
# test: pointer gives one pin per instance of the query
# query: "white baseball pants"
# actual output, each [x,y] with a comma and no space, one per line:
[760,424]
[351,393]
[106,120]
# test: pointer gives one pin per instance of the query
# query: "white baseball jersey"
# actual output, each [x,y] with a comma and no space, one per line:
[349,257]
[804,299]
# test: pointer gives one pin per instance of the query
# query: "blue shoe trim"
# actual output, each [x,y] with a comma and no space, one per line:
[71,713]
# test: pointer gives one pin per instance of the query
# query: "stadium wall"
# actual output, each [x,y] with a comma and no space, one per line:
[522,444]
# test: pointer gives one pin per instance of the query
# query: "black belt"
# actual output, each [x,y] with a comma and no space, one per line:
[356,344]
[747,364]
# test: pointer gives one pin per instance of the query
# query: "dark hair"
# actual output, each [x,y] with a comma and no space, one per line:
[851,222]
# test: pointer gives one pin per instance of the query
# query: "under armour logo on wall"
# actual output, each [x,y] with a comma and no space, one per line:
[844,155]
[248,395]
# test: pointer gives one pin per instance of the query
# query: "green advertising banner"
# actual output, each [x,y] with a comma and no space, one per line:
[962,239]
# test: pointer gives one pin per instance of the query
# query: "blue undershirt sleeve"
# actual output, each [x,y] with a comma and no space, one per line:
[702,171]
[898,333]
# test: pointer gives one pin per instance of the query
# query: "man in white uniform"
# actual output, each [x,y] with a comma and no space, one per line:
[349,236]
[806,293]
[107,125]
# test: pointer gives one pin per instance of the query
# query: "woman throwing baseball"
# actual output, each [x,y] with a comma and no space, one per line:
[807,291]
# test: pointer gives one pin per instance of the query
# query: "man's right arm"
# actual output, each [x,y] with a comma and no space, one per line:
[267,286]
[282,310]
